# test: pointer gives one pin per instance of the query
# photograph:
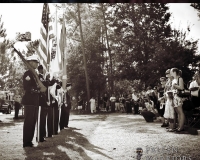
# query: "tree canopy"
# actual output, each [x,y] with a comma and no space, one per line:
[125,45]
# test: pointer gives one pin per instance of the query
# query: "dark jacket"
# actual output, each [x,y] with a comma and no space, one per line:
[31,96]
[42,96]
[68,99]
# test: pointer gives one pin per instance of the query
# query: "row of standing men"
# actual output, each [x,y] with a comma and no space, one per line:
[43,108]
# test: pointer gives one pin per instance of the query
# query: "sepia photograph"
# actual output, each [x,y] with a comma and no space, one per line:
[99,81]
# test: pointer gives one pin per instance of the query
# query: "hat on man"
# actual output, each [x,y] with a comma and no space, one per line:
[40,67]
[170,91]
[68,84]
[33,58]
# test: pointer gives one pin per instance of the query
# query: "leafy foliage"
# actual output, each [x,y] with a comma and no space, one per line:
[144,44]
[10,75]
[197,7]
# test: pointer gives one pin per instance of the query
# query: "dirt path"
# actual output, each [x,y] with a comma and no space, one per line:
[100,137]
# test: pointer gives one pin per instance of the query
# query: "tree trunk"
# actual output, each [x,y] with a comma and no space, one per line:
[109,51]
[84,58]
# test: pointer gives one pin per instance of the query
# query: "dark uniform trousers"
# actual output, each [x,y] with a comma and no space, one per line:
[43,112]
[30,114]
[55,117]
[64,118]
[43,117]
[50,120]
[65,110]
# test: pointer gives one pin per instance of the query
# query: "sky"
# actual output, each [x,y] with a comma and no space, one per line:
[23,17]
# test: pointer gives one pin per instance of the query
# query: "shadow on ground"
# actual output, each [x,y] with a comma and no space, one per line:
[74,145]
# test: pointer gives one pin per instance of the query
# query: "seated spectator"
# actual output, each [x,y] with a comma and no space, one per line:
[149,113]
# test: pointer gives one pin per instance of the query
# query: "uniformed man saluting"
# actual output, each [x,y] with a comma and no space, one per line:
[30,101]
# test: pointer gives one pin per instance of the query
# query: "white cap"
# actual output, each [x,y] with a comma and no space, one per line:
[33,58]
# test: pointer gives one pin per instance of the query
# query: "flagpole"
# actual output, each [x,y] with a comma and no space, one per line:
[64,52]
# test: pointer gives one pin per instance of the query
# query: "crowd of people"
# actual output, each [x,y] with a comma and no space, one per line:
[165,102]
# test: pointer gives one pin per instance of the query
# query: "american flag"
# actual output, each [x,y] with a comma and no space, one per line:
[45,32]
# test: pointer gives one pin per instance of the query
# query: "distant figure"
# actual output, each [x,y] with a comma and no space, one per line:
[112,100]
[17,105]
[92,105]
[105,102]
[80,104]
[101,103]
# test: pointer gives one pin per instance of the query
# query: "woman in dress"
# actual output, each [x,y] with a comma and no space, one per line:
[178,84]
[169,110]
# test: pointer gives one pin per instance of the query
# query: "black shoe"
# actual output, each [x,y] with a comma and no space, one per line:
[179,130]
[42,140]
[28,145]
[165,125]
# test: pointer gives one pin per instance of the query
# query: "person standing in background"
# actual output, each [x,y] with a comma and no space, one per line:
[105,101]
[17,103]
[80,104]
[92,105]
[128,103]
[112,100]
[117,105]
[101,103]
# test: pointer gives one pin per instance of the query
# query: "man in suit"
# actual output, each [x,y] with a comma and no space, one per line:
[65,108]
[30,101]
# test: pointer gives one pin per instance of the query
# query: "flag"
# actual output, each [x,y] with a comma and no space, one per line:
[50,39]
[44,36]
[55,58]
